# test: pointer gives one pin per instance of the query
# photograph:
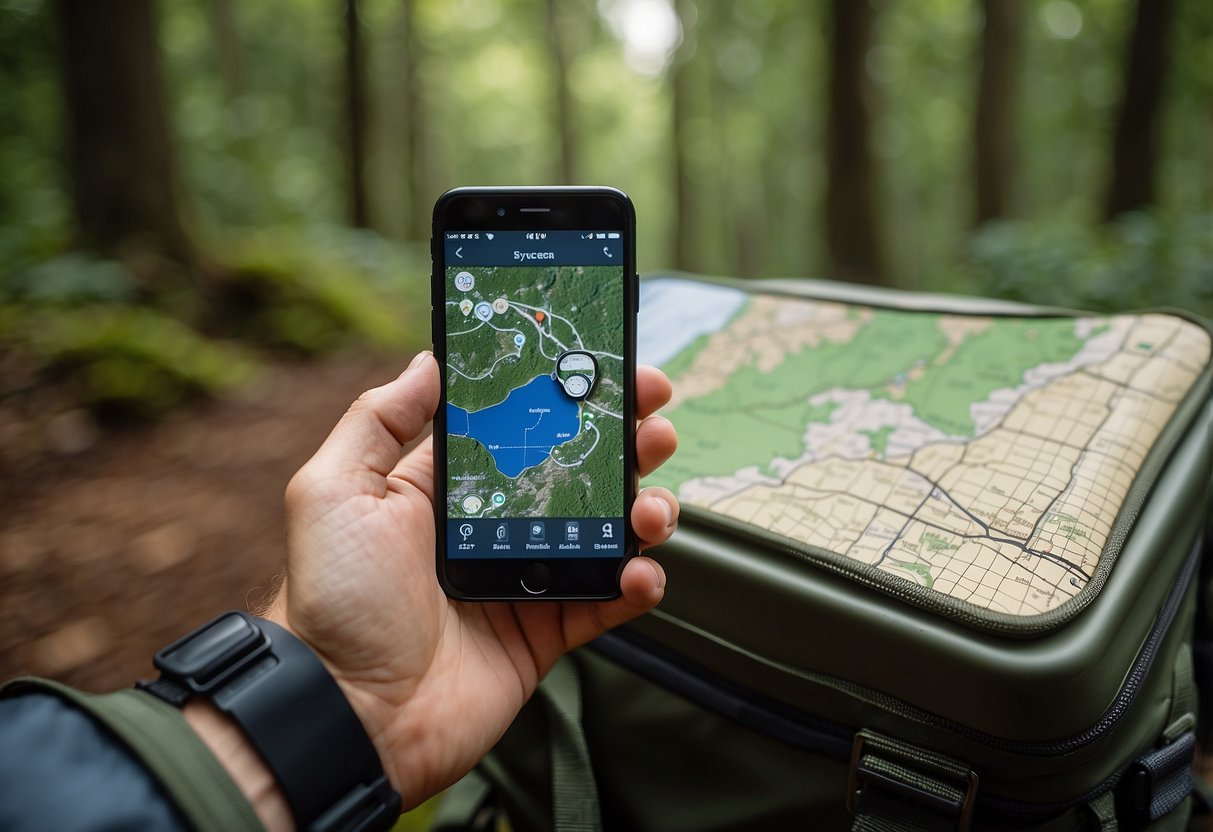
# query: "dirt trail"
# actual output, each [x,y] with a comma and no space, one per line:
[108,553]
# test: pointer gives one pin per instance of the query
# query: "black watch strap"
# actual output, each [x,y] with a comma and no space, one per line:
[292,711]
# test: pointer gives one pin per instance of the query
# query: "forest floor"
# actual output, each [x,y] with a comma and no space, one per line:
[113,543]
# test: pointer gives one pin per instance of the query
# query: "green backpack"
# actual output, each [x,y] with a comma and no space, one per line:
[937,568]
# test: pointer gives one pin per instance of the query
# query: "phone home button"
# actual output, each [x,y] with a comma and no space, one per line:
[536,578]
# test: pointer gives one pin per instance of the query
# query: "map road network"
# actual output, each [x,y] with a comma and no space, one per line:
[984,458]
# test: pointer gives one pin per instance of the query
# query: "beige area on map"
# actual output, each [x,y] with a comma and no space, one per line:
[762,336]
[956,329]
[1015,520]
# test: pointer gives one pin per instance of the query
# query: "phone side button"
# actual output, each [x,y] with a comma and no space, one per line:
[536,578]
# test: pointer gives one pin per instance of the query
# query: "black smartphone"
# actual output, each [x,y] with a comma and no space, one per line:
[534,315]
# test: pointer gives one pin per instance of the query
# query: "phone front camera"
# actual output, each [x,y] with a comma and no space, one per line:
[501,212]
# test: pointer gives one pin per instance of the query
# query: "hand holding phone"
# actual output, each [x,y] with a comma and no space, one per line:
[435,681]
[534,297]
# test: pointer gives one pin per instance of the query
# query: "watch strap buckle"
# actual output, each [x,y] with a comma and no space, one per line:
[214,653]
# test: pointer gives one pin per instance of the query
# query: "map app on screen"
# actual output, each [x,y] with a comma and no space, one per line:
[534,390]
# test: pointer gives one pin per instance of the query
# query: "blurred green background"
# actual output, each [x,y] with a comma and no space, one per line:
[193,192]
[189,183]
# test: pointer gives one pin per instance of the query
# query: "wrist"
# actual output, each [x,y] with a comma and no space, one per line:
[370,709]
[256,677]
[249,772]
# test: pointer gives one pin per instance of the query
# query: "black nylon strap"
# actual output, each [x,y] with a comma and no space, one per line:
[293,712]
[1160,780]
[898,787]
[171,692]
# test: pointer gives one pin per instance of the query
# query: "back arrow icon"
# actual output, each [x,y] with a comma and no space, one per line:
[459,252]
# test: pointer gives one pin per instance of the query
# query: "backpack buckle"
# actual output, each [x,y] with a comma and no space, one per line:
[895,779]
[1158,781]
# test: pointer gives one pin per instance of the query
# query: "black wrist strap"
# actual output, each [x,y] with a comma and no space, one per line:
[293,713]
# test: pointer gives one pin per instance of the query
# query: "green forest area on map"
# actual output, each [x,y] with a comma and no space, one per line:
[898,356]
[582,309]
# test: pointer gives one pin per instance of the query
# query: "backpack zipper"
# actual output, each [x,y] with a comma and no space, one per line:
[820,736]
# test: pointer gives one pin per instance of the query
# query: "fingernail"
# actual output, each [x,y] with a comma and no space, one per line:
[669,512]
[658,576]
[416,362]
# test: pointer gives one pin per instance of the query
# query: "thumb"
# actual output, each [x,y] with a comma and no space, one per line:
[383,419]
[642,585]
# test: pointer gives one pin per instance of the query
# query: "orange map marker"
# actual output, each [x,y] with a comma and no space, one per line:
[539,316]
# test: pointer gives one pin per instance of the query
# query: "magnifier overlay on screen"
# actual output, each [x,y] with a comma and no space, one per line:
[577,370]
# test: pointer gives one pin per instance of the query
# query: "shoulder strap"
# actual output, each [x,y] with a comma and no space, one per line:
[466,806]
[574,790]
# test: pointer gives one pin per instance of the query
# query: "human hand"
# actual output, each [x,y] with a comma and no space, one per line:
[435,682]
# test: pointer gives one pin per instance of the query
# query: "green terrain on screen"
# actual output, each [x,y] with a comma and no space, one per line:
[581,310]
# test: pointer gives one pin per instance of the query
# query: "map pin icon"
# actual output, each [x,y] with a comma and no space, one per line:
[576,371]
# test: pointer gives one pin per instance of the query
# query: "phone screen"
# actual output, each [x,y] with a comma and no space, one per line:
[536,414]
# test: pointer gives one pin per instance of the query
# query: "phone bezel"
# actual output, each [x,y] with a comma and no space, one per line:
[552,209]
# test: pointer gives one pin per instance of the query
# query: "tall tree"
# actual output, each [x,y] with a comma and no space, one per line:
[715,204]
[126,194]
[685,219]
[356,116]
[1136,140]
[229,51]
[558,26]
[419,195]
[995,124]
[853,235]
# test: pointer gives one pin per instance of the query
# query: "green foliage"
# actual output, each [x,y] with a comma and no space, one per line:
[318,289]
[83,324]
[256,109]
[1140,261]
[68,280]
[31,195]
[419,819]
[119,359]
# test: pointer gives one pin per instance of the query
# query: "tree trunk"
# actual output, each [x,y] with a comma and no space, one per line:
[853,236]
[995,126]
[685,219]
[557,35]
[355,117]
[419,195]
[121,160]
[752,228]
[229,50]
[1136,141]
